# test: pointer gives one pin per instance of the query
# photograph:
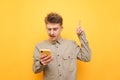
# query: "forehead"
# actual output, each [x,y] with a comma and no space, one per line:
[51,25]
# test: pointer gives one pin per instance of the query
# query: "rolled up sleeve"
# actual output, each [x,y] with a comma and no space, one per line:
[37,67]
[83,52]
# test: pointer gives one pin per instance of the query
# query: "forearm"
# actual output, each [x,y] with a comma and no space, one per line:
[37,66]
[85,51]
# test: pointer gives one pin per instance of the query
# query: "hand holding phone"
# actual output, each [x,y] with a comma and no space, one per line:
[45,57]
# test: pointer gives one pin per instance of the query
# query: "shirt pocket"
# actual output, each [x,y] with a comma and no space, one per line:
[69,62]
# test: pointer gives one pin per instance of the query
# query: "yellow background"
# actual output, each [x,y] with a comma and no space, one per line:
[22,26]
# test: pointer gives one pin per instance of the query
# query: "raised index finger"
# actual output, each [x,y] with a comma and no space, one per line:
[79,24]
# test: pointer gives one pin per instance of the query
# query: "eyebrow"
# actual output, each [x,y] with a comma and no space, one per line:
[53,28]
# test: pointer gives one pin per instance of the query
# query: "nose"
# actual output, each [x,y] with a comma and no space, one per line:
[51,32]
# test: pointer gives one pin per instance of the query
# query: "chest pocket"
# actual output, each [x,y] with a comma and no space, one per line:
[69,62]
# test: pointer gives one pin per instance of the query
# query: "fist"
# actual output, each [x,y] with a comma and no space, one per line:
[79,29]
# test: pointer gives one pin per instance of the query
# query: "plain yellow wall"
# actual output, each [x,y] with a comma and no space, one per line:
[22,26]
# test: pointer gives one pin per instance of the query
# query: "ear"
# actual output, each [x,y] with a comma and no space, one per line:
[62,27]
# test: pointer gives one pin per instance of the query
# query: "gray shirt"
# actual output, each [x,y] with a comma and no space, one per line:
[65,54]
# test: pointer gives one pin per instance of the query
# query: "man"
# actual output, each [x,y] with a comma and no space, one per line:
[62,63]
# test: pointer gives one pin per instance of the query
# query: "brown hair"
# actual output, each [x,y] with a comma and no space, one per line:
[53,18]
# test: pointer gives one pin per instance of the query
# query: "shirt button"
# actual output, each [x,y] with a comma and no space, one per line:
[58,64]
[68,56]
[60,75]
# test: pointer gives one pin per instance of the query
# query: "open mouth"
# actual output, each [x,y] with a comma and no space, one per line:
[52,36]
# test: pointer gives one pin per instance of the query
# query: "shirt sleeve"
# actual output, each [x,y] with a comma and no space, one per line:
[83,52]
[37,66]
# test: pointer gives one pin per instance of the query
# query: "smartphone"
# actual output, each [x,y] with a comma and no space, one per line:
[45,51]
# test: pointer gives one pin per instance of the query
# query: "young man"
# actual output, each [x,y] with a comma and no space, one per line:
[62,63]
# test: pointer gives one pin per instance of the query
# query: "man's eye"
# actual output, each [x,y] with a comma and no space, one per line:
[49,29]
[55,29]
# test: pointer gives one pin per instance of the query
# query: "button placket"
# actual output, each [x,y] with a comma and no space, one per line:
[58,62]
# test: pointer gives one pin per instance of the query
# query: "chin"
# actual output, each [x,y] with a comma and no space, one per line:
[52,39]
